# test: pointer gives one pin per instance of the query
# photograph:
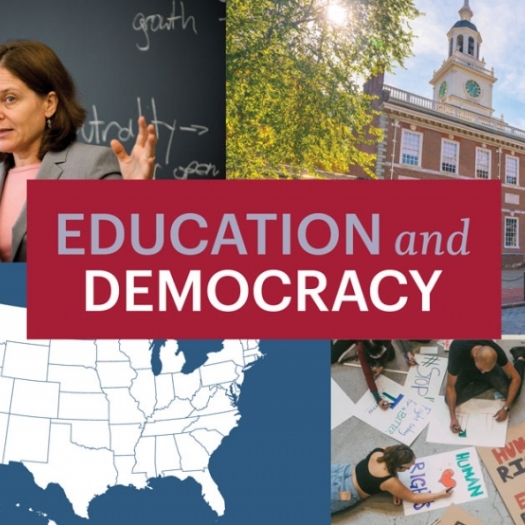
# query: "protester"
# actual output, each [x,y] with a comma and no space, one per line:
[377,473]
[477,365]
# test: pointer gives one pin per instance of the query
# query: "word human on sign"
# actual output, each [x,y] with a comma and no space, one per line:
[175,255]
[459,469]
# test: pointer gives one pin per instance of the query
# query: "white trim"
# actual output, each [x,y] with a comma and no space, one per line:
[404,132]
[437,123]
[513,212]
[456,143]
[512,198]
[517,159]
[484,150]
[517,223]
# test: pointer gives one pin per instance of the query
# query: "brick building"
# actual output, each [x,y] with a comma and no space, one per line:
[455,135]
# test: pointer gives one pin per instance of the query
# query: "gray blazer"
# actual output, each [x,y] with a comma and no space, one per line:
[77,161]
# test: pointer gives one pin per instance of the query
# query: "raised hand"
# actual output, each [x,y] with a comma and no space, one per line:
[140,163]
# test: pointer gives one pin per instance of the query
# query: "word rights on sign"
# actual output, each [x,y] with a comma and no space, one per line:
[272,259]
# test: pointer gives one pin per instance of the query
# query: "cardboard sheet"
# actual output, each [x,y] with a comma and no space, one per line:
[506,466]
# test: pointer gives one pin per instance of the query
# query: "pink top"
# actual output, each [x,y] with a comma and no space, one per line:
[11,203]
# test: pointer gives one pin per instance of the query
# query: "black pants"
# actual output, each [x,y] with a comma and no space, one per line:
[341,345]
[469,386]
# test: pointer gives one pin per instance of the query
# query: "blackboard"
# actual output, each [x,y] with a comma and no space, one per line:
[164,59]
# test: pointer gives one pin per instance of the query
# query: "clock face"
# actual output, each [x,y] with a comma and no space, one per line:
[442,89]
[473,88]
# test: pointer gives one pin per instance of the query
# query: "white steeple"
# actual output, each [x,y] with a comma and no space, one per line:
[463,79]
[465,12]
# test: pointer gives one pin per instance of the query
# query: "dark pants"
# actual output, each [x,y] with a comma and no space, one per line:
[341,345]
[469,386]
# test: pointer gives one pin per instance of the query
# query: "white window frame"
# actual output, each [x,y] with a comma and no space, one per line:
[456,143]
[509,220]
[405,133]
[485,151]
[517,160]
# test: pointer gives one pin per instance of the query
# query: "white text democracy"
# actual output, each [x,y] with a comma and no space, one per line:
[308,283]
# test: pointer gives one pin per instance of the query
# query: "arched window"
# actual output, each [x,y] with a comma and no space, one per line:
[470,46]
[450,47]
[459,44]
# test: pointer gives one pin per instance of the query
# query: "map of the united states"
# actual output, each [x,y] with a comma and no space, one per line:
[90,415]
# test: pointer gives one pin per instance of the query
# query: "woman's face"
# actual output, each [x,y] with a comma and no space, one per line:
[408,466]
[23,116]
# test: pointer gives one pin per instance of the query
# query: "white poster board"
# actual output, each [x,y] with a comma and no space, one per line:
[342,407]
[476,418]
[424,380]
[459,469]
[403,421]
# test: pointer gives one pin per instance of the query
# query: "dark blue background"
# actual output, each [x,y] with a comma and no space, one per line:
[272,469]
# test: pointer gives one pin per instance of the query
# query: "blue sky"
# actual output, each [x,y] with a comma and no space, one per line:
[501,26]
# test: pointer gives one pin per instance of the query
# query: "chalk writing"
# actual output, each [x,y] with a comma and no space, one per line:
[196,168]
[157,22]
[98,131]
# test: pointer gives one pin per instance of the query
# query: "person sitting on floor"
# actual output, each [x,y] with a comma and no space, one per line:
[373,356]
[377,473]
[477,365]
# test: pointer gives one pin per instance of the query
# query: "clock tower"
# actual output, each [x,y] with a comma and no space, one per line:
[463,80]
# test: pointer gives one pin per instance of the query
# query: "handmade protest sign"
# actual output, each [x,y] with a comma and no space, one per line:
[458,469]
[476,418]
[403,421]
[455,515]
[424,380]
[342,406]
[506,466]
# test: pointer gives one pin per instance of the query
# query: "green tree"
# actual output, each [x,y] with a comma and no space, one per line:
[293,81]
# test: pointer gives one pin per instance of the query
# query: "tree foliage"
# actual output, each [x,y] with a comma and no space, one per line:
[294,100]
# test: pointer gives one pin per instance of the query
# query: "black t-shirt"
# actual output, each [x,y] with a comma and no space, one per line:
[460,360]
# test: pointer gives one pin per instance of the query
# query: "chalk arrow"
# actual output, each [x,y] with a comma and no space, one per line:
[195,128]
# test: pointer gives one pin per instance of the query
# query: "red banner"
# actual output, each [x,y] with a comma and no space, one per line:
[264,259]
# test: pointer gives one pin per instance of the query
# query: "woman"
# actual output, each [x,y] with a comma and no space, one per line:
[377,473]
[39,119]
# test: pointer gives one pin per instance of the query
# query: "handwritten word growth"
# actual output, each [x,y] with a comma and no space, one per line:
[157,22]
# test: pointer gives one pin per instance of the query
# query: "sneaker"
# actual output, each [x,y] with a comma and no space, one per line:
[518,351]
